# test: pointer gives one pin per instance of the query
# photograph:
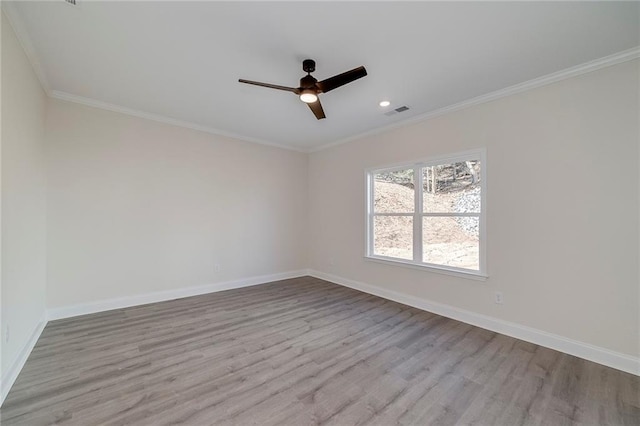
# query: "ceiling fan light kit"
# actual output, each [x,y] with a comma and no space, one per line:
[310,88]
[308,96]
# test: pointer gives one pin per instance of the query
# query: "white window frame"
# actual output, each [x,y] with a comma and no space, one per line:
[418,214]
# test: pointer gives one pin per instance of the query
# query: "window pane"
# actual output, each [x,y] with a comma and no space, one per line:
[451,241]
[393,192]
[452,188]
[393,236]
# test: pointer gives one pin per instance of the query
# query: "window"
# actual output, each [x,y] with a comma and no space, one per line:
[429,213]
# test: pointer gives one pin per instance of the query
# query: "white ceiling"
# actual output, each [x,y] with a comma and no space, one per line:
[182,60]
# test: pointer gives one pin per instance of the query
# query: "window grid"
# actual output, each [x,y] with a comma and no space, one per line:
[418,214]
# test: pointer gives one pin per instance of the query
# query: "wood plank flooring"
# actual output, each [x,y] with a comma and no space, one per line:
[304,352]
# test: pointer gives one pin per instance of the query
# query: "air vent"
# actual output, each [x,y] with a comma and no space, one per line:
[397,110]
[71,2]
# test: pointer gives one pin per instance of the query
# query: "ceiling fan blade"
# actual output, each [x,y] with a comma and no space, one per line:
[341,79]
[316,107]
[271,86]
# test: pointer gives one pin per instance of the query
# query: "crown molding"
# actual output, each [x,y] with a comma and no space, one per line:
[9,10]
[587,67]
[13,16]
[56,94]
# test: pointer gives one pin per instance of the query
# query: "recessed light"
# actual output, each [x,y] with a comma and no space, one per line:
[385,103]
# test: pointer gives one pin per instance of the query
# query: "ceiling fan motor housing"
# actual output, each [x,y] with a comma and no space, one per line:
[308,82]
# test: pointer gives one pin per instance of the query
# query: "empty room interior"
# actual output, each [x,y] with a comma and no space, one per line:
[447,233]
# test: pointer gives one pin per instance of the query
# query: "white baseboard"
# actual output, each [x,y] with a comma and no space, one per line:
[9,378]
[105,305]
[161,296]
[582,350]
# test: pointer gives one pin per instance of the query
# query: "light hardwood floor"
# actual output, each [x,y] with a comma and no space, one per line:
[304,352]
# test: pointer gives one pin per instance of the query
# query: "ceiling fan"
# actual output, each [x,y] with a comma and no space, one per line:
[310,88]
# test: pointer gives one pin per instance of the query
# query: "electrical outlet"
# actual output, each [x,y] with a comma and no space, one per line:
[499,298]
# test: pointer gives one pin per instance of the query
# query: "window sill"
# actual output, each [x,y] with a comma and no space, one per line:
[477,276]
